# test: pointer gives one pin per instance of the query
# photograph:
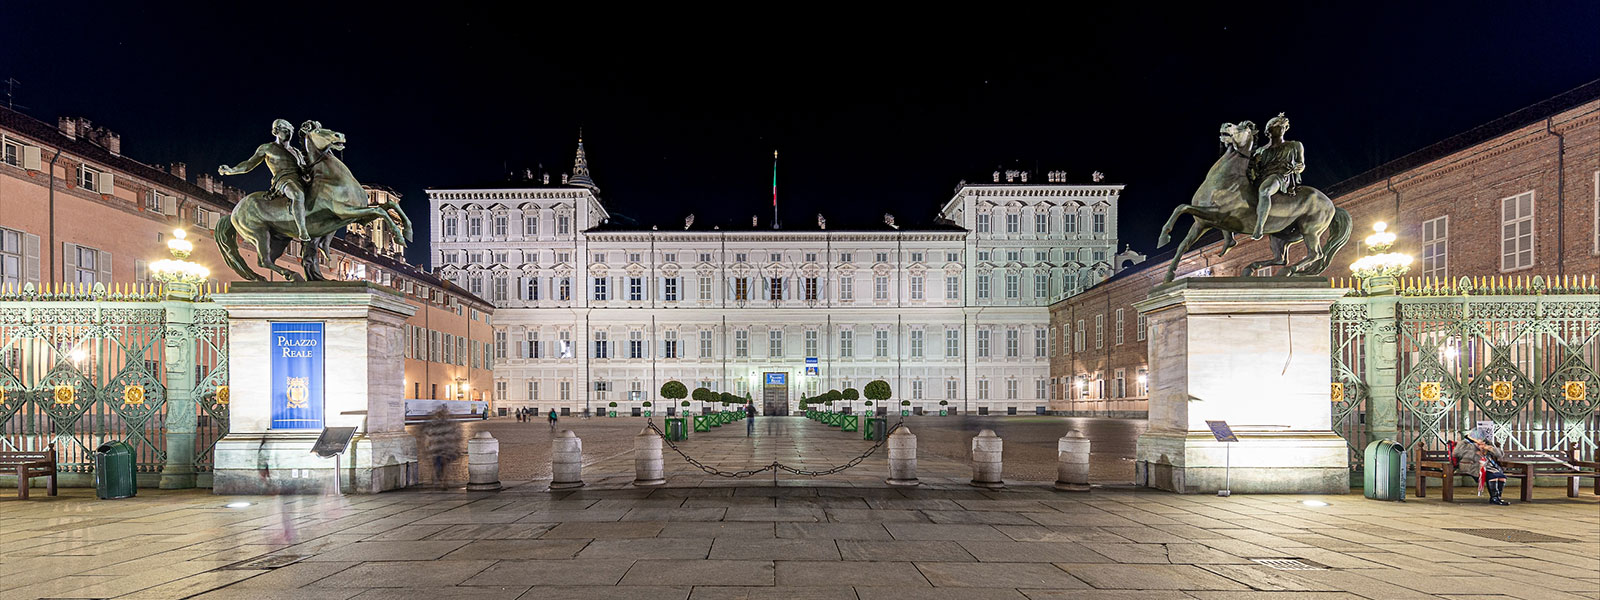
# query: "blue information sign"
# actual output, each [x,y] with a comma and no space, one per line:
[297,374]
[1222,431]
[777,378]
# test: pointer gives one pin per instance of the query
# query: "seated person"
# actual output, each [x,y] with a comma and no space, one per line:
[1479,459]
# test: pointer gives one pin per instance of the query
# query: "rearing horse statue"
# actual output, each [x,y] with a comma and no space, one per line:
[1226,201]
[333,200]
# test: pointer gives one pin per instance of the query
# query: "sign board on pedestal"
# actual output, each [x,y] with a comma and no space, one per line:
[297,375]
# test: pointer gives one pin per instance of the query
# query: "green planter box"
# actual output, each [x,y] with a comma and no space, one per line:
[943,412]
[905,413]
[613,414]
[848,423]
[647,413]
[677,429]
[702,422]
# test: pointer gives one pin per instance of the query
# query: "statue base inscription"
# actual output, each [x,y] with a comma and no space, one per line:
[1254,352]
[303,356]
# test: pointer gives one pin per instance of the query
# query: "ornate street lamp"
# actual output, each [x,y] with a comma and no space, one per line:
[181,279]
[1379,269]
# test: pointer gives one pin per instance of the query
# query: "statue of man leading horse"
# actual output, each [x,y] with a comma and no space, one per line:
[1256,191]
[312,197]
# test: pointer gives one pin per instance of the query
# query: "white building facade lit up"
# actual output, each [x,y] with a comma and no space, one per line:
[589,313]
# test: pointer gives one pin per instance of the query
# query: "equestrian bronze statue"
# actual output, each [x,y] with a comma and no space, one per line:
[1256,191]
[312,197]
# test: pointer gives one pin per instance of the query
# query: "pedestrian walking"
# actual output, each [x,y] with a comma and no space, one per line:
[442,438]
[1481,459]
[552,420]
[749,419]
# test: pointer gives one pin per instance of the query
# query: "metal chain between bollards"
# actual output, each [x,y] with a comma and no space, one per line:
[775,466]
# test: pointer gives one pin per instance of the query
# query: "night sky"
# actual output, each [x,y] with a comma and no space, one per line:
[871,113]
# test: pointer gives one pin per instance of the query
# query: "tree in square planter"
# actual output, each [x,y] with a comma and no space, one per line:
[646,406]
[878,390]
[703,396]
[613,406]
[849,395]
[943,407]
[671,390]
[905,407]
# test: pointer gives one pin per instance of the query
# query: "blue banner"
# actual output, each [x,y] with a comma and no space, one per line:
[777,378]
[297,372]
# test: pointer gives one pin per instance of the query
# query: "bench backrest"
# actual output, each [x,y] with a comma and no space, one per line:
[1433,455]
[17,458]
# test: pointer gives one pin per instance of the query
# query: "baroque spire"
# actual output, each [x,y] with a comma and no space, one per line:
[580,168]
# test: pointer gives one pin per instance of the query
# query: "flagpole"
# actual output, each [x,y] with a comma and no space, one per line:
[774,189]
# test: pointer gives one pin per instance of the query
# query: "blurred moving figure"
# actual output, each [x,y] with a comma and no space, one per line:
[442,438]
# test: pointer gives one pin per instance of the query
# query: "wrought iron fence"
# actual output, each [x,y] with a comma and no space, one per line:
[82,365]
[1520,354]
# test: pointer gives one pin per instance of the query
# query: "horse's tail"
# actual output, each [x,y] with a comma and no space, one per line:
[228,241]
[1338,235]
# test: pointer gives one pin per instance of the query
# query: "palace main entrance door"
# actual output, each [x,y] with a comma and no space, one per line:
[775,394]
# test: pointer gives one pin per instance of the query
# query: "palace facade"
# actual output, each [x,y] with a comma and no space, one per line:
[589,312]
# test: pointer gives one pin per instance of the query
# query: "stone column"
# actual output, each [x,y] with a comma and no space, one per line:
[1072,468]
[902,458]
[986,465]
[178,361]
[363,387]
[483,462]
[566,461]
[1253,352]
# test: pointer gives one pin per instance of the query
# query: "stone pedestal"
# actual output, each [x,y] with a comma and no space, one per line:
[1253,352]
[362,385]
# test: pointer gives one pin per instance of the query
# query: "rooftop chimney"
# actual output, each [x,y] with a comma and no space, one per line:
[179,170]
[112,142]
[68,126]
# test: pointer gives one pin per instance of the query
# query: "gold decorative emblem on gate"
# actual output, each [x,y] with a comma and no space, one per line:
[1338,392]
[66,394]
[1500,391]
[1575,391]
[222,395]
[1429,391]
[299,392]
[133,394]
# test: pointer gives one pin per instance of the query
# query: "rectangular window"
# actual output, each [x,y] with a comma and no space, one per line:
[635,344]
[1011,389]
[775,288]
[847,289]
[741,288]
[1516,232]
[669,289]
[636,288]
[635,257]
[775,343]
[882,257]
[1099,223]
[1435,247]
[1119,388]
[533,390]
[811,343]
[1120,327]
[563,225]
[500,225]
[535,350]
[983,286]
[601,348]
[846,343]
[811,257]
[1013,255]
[452,227]
[775,257]
[952,343]
[705,257]
[951,257]
[880,343]
[739,257]
[1039,389]
[1041,223]
[916,343]
[1013,223]
[705,343]
[500,291]
[983,343]
[599,258]
[1099,331]
[500,389]
[88,261]
[474,226]
[567,350]
[983,389]
[499,344]
[950,389]
[1012,344]
[741,344]
[1041,342]
[600,288]
[705,289]
[1077,340]
[1141,323]
[10,153]
[916,287]
[565,289]
[1071,224]
[983,256]
[1041,285]
[530,226]
[916,257]
[566,390]
[952,287]
[983,223]
[88,178]
[880,287]
[1013,286]
[11,258]
[846,257]
[532,290]
[916,389]
[811,288]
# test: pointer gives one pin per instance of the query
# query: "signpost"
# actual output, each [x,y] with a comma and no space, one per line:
[1224,434]
[331,444]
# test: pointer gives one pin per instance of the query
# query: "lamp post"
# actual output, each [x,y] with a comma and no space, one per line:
[180,278]
[1378,273]
[1379,269]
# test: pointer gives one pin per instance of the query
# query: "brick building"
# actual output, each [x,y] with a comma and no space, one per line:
[1517,196]
[75,209]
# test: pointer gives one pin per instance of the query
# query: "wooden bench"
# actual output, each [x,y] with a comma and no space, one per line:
[1436,463]
[30,464]
[1529,464]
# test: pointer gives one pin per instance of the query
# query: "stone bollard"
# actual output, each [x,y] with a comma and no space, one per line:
[483,462]
[902,458]
[566,461]
[986,460]
[647,459]
[1072,470]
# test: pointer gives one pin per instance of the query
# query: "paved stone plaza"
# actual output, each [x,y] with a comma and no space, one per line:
[846,536]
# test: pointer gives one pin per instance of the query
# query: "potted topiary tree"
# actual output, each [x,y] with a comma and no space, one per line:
[672,390]
[613,406]
[703,395]
[876,389]
[850,395]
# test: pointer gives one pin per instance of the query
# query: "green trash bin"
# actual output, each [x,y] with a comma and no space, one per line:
[113,471]
[1384,475]
[676,431]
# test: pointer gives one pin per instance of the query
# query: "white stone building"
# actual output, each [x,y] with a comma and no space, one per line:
[590,313]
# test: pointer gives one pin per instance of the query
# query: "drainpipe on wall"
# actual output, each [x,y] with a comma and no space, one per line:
[51,178]
[1561,196]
